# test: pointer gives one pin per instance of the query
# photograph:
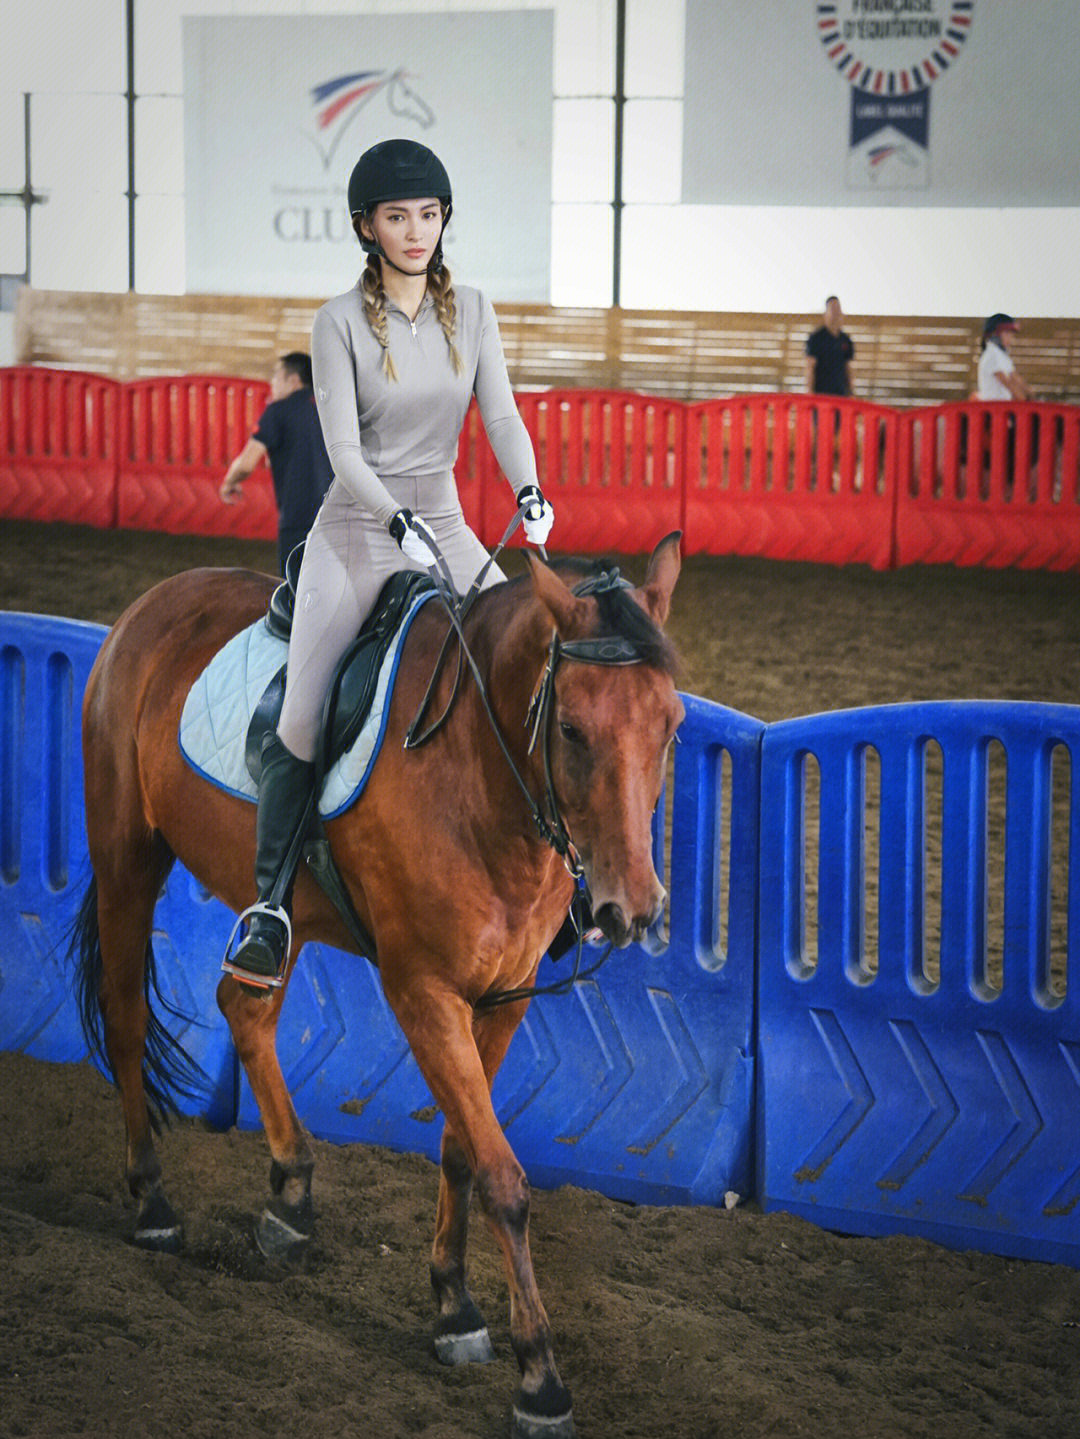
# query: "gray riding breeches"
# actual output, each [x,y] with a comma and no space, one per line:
[348,557]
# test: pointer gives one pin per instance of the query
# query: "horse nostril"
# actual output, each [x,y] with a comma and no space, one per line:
[613,923]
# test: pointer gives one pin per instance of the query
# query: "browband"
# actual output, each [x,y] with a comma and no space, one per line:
[601,649]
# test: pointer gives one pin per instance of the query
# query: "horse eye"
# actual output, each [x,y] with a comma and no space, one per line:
[570,734]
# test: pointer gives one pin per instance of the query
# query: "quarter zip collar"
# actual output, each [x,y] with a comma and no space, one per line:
[426,304]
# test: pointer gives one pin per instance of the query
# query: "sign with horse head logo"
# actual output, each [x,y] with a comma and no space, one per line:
[268,146]
[336,103]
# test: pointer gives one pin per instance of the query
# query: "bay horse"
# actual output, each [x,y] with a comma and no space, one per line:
[443,860]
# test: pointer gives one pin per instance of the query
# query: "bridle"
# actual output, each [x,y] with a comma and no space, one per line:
[602,650]
[608,650]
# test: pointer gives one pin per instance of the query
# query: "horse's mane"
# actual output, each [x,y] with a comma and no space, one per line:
[619,615]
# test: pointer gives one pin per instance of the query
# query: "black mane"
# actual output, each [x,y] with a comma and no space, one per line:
[619,615]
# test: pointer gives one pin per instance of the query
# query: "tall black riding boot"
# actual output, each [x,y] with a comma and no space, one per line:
[285,804]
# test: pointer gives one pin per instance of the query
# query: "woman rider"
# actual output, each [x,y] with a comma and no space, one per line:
[396,361]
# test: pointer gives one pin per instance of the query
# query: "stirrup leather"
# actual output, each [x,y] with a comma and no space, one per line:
[261,981]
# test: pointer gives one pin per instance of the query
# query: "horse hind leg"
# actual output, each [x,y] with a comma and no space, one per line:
[287,1224]
[116,961]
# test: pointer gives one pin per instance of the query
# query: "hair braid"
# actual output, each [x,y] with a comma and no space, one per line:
[442,292]
[371,287]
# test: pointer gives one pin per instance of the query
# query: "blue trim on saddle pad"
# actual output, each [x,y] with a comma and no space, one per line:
[219,706]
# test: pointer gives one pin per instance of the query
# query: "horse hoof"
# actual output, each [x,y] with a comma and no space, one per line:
[472,1348]
[157,1227]
[160,1241]
[543,1415]
[539,1426]
[284,1230]
[462,1337]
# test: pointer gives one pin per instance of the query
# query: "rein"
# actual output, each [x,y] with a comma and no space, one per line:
[602,650]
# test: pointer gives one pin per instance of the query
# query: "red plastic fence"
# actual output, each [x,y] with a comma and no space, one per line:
[178,434]
[991,484]
[477,474]
[610,462]
[787,476]
[58,445]
[791,477]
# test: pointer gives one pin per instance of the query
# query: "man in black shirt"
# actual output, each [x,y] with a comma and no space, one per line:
[288,433]
[829,353]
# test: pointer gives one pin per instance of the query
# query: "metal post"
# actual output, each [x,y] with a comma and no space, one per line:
[620,105]
[26,196]
[129,94]
[28,189]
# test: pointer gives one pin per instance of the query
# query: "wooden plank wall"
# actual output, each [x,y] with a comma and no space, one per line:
[900,360]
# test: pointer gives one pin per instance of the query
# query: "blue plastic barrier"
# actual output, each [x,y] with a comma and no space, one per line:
[44,867]
[639,1083]
[903,1099]
[891,1082]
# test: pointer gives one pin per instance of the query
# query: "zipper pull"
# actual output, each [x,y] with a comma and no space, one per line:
[412,327]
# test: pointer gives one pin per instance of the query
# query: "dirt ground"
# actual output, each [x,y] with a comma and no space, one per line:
[669,1323]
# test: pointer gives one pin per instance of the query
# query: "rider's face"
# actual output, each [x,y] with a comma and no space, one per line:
[408,231]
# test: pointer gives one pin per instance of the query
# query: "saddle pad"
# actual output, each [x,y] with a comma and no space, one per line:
[219,706]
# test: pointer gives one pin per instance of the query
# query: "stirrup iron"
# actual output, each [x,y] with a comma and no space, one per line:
[247,976]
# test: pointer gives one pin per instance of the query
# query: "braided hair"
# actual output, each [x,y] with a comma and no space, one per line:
[371,288]
[441,288]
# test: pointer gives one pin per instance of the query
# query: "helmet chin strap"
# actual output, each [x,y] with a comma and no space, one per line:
[381,254]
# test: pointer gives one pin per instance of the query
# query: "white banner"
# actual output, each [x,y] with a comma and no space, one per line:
[882,102]
[278,109]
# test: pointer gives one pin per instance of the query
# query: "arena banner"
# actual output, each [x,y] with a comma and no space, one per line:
[278,108]
[947,103]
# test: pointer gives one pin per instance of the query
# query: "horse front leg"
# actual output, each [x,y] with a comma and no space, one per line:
[440,1032]
[287,1223]
[461,1336]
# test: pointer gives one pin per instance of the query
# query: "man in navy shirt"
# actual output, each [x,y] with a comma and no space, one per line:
[289,434]
[829,352]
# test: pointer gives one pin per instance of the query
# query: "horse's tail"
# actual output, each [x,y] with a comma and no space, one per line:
[168,1070]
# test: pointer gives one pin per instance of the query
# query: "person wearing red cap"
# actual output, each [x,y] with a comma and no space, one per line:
[999,379]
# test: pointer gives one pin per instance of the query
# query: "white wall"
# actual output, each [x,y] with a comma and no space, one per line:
[7,338]
[782,259]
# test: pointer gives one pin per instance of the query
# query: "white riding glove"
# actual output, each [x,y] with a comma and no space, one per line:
[537,514]
[415,538]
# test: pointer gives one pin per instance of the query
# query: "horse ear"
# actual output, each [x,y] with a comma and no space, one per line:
[570,614]
[665,563]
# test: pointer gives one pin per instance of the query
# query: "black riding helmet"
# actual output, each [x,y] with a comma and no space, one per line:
[398,170]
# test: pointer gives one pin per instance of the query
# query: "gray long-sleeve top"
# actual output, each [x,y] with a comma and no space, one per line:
[410,426]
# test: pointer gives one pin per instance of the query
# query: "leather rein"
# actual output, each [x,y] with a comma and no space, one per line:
[610,650]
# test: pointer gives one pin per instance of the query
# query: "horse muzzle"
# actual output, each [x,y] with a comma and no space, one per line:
[623,929]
